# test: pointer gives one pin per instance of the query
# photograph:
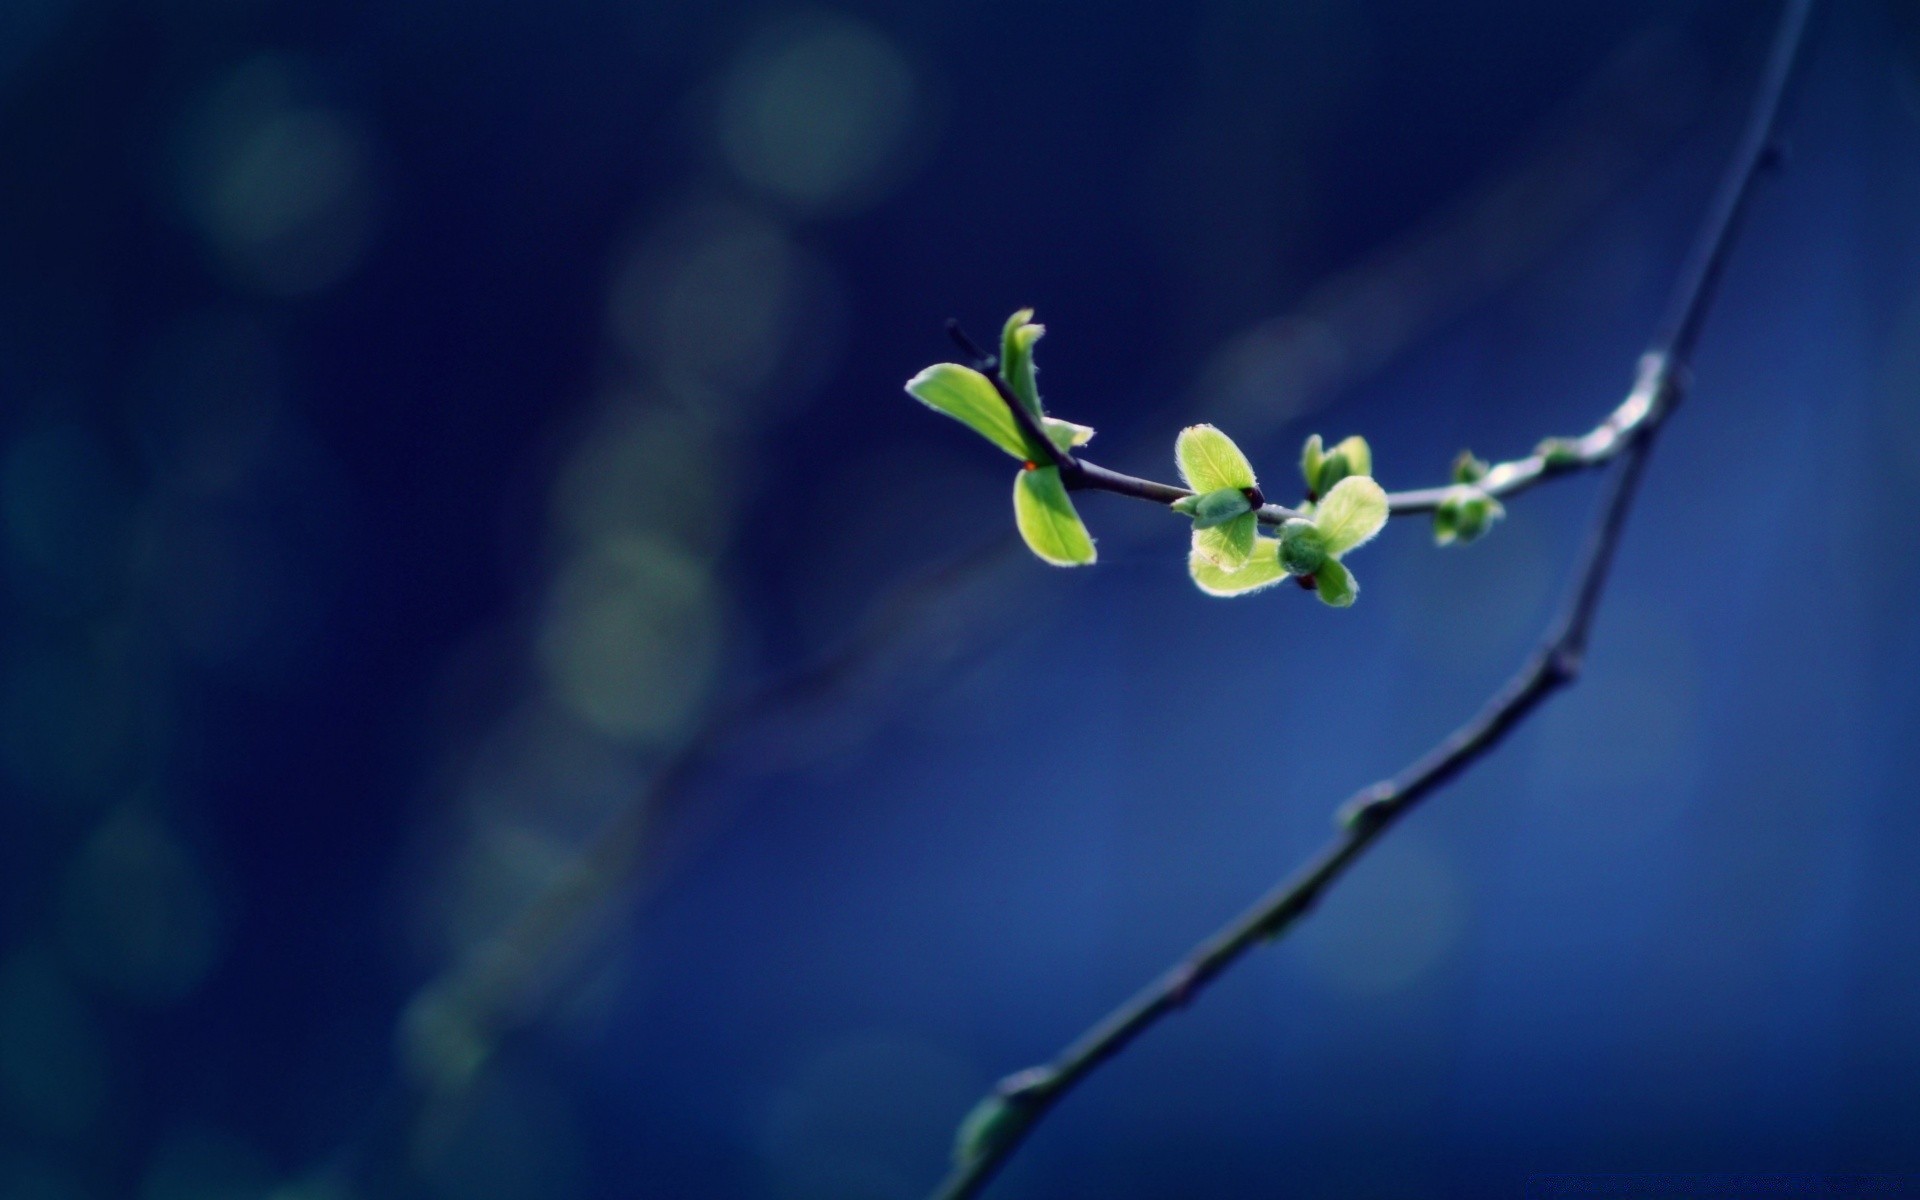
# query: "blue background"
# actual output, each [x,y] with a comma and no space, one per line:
[422,425]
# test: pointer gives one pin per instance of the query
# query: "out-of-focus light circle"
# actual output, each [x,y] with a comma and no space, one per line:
[280,186]
[23,1178]
[1394,919]
[67,720]
[64,516]
[53,1063]
[205,1164]
[209,403]
[861,1117]
[136,911]
[647,468]
[816,111]
[509,1138]
[719,303]
[631,637]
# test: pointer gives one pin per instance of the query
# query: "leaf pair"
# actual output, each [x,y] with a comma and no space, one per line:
[1041,508]
[1232,558]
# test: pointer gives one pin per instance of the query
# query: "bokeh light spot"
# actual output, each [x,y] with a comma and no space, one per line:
[65,517]
[631,638]
[718,302]
[23,1178]
[509,1138]
[816,111]
[53,1063]
[647,468]
[281,187]
[67,720]
[206,1164]
[136,910]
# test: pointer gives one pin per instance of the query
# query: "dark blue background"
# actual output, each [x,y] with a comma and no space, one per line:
[417,421]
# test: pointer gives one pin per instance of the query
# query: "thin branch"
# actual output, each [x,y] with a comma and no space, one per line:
[1007,1116]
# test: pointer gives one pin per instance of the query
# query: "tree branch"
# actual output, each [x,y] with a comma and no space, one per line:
[1002,1122]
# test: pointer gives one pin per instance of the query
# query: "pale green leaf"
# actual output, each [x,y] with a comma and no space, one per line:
[1312,454]
[1262,570]
[969,398]
[1358,454]
[1334,584]
[1016,359]
[1047,521]
[1065,434]
[1209,461]
[1350,514]
[1227,546]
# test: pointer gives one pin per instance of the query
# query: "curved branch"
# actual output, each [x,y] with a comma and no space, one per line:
[1002,1121]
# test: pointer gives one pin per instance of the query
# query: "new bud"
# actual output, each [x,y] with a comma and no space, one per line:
[1302,549]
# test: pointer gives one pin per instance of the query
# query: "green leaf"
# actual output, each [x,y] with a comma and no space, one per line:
[969,398]
[1311,456]
[1468,469]
[1302,549]
[1217,508]
[1325,469]
[1559,452]
[1350,514]
[1016,359]
[1065,434]
[1047,521]
[1465,514]
[1358,454]
[1262,570]
[1334,584]
[1227,546]
[1209,461]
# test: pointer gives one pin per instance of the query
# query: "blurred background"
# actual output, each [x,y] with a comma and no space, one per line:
[502,696]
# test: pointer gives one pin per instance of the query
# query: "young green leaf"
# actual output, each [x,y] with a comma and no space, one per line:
[1311,456]
[1558,451]
[1065,434]
[1324,469]
[1334,584]
[1209,461]
[1350,514]
[969,398]
[1469,469]
[1016,359]
[1262,570]
[1464,514]
[1358,454]
[1045,515]
[1227,546]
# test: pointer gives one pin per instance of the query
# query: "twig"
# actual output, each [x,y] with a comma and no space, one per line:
[1004,1120]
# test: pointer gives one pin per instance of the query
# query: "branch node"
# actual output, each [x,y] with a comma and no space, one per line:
[1028,1086]
[1371,808]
